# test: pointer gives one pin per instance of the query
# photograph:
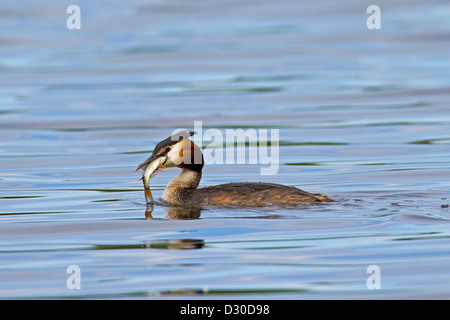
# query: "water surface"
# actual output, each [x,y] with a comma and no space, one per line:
[364,116]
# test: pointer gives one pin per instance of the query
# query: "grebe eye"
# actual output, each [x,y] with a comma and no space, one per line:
[167,149]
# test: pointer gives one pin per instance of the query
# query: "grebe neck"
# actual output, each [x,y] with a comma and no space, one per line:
[182,186]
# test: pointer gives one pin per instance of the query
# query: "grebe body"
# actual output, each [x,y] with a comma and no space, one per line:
[179,151]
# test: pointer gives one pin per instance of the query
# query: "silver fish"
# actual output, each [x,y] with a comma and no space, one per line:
[152,169]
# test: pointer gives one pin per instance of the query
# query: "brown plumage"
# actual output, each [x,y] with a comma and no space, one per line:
[252,194]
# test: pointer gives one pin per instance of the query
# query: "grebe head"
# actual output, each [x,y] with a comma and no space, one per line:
[174,151]
[184,154]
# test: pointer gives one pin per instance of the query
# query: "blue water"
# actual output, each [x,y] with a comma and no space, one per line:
[363,116]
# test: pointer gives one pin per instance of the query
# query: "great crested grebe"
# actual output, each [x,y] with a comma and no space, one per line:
[179,151]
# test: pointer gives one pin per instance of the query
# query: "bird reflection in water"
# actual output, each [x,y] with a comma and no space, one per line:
[175,212]
[176,244]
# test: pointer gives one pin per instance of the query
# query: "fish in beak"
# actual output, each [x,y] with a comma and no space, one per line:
[153,165]
[158,158]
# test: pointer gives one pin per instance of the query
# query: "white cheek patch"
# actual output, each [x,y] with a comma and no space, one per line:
[179,152]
